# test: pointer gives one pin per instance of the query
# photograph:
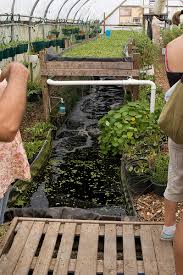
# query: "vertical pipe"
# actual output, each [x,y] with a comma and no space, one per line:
[104,22]
[12,23]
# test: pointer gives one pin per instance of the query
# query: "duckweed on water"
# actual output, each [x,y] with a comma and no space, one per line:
[85,183]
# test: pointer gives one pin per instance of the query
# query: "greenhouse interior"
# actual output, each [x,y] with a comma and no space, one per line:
[90,137]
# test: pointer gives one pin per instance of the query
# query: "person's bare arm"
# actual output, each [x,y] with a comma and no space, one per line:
[13,100]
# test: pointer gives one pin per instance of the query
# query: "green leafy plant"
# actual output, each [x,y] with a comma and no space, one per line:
[170,34]
[39,131]
[32,148]
[160,171]
[148,51]
[33,91]
[102,46]
[129,130]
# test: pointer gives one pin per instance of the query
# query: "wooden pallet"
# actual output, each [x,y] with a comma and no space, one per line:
[70,247]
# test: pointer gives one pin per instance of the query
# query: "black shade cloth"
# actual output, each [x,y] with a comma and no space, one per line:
[173,78]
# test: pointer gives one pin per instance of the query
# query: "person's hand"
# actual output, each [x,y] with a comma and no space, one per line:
[14,69]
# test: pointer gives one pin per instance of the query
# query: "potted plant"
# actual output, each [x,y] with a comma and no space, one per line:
[33,91]
[55,32]
[160,173]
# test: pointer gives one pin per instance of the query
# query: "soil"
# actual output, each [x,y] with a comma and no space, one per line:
[34,113]
[160,74]
[150,207]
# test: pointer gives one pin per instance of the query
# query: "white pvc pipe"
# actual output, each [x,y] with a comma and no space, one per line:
[129,82]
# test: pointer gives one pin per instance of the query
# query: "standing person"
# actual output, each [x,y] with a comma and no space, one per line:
[174,191]
[13,160]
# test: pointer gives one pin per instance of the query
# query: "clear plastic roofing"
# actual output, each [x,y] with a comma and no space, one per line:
[71,9]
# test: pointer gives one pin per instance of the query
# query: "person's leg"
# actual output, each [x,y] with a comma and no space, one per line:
[178,249]
[170,212]
[174,190]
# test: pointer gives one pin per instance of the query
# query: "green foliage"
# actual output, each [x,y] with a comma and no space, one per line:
[70,30]
[32,148]
[102,46]
[25,63]
[160,172]
[148,51]
[39,131]
[131,129]
[170,34]
[33,91]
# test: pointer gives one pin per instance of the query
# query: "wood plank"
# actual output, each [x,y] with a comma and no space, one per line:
[9,236]
[89,65]
[30,248]
[163,251]
[89,221]
[100,265]
[8,262]
[46,252]
[65,250]
[119,229]
[89,72]
[87,251]
[129,252]
[110,250]
[149,258]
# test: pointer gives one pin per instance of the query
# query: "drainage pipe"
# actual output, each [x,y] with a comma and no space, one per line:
[128,82]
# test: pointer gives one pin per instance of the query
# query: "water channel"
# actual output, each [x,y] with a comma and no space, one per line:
[77,174]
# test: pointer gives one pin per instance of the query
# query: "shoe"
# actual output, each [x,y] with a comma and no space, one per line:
[167,237]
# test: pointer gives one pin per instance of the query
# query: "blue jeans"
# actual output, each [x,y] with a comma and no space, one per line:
[3,205]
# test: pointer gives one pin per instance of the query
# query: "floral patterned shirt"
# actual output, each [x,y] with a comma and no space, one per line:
[13,160]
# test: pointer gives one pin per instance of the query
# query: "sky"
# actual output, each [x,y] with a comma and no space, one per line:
[95,8]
